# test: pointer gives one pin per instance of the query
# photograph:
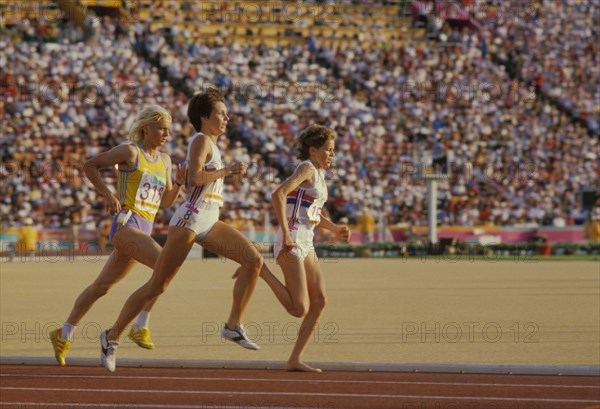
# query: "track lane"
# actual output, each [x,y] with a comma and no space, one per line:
[144,387]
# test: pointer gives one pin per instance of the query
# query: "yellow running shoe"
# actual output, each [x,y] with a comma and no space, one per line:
[141,337]
[61,346]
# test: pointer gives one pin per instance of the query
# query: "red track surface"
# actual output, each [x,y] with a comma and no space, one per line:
[26,387]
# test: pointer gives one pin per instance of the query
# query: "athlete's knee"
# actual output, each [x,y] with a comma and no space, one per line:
[299,310]
[318,303]
[99,290]
[156,289]
[253,262]
[258,264]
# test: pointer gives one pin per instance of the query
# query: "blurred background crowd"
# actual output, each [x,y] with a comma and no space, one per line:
[510,107]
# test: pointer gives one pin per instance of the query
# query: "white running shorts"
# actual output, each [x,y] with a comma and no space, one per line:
[198,219]
[303,235]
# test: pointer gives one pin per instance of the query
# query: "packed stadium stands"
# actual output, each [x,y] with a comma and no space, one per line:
[514,113]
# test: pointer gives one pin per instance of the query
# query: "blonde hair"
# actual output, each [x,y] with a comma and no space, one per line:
[149,115]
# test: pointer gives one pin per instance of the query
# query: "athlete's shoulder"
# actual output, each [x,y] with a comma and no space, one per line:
[128,148]
[199,138]
[165,158]
[200,148]
[200,142]
[306,167]
[305,170]
[128,145]
[124,154]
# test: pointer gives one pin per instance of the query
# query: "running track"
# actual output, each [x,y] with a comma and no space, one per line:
[35,387]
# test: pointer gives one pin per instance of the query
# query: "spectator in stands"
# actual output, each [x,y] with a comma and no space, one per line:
[28,238]
[366,225]
[592,226]
[489,119]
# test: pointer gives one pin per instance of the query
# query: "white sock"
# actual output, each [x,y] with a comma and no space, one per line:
[142,320]
[67,331]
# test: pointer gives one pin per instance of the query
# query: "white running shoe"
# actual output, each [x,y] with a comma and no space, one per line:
[238,336]
[108,351]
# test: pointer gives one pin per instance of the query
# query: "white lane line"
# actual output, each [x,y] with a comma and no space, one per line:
[333,366]
[303,394]
[191,378]
[23,405]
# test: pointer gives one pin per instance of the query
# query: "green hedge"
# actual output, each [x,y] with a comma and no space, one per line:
[415,249]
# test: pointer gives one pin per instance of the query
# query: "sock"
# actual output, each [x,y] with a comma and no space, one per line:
[142,320]
[67,331]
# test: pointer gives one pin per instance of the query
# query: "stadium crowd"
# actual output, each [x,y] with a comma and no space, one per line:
[511,149]
[63,101]
[516,156]
[552,45]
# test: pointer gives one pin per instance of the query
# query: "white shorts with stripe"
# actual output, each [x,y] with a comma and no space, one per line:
[198,219]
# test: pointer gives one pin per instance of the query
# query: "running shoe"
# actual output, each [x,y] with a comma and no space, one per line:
[141,337]
[61,346]
[108,351]
[238,336]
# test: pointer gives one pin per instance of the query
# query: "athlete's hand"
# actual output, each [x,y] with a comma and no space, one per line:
[238,168]
[288,242]
[181,173]
[343,233]
[113,206]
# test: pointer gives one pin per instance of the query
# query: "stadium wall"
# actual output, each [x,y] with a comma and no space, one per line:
[478,234]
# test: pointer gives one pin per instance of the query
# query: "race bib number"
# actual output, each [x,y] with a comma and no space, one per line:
[314,212]
[150,192]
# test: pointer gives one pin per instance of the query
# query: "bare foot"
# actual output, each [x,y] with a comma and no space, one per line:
[301,367]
